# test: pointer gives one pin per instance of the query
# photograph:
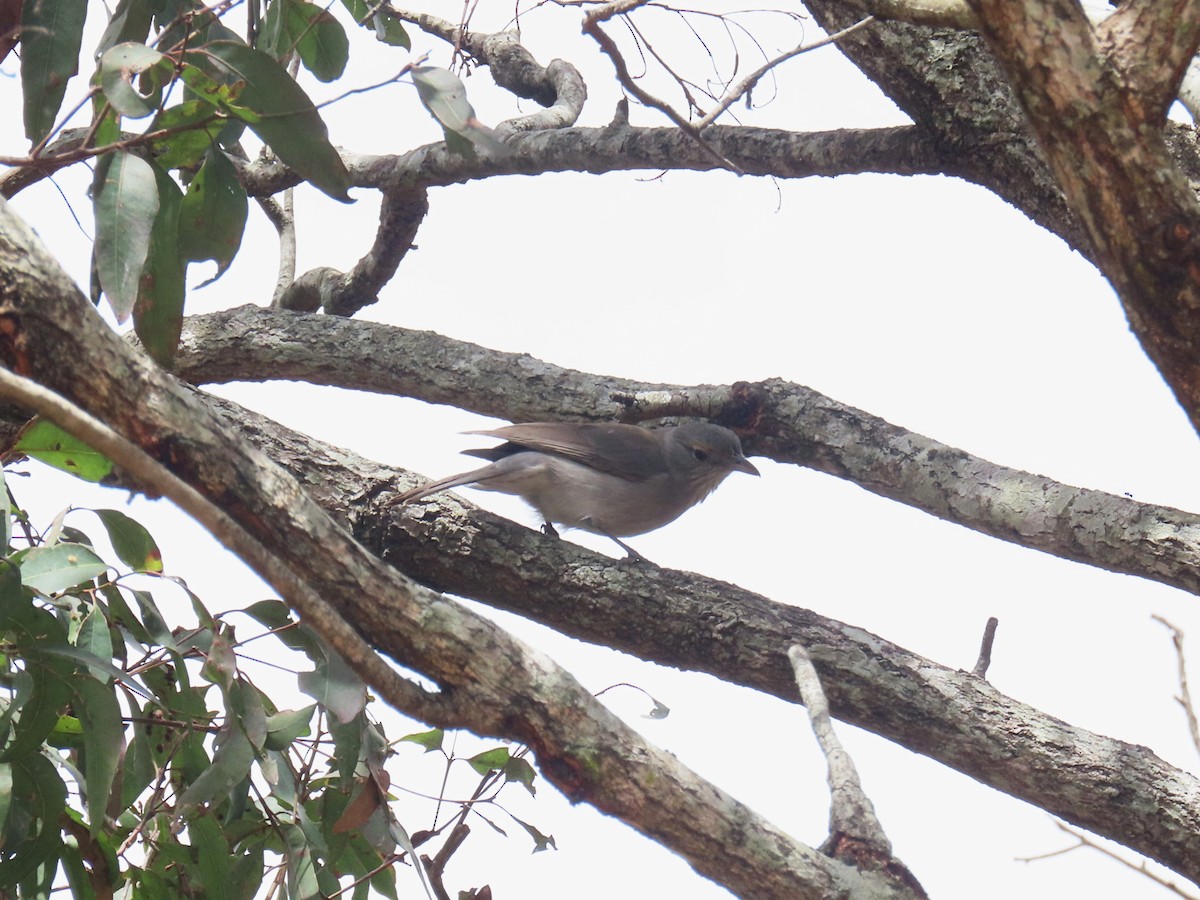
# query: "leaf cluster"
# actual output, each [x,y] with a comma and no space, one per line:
[142,757]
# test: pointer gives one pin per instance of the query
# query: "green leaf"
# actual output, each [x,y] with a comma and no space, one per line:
[120,64]
[213,215]
[518,769]
[430,740]
[138,770]
[301,869]
[39,796]
[51,37]
[44,441]
[388,29]
[445,96]
[286,725]
[42,689]
[130,22]
[158,313]
[52,570]
[194,126]
[309,30]
[490,760]
[103,741]
[334,685]
[6,511]
[132,542]
[127,205]
[541,841]
[281,114]
[212,851]
[95,639]
[230,764]
[323,46]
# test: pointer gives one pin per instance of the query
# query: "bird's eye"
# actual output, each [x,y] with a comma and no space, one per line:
[700,454]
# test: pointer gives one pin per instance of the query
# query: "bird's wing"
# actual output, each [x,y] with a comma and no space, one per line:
[625,450]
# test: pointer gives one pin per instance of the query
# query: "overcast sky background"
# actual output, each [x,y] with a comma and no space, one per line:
[926,301]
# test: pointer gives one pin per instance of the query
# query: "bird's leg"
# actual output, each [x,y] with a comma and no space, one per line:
[634,556]
[549,529]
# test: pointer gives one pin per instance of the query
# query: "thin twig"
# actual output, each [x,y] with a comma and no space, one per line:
[1085,841]
[1185,695]
[748,83]
[591,26]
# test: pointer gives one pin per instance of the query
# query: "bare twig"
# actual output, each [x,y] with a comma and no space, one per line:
[985,648]
[733,94]
[1185,694]
[591,27]
[1084,841]
[851,814]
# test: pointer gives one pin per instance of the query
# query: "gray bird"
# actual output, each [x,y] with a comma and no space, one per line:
[614,480]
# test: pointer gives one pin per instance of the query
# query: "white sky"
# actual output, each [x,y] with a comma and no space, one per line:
[925,301]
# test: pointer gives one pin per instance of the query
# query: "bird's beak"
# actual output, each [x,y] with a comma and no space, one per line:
[744,465]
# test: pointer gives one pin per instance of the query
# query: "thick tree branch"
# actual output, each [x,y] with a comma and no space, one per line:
[1106,150]
[489,682]
[784,421]
[1153,43]
[687,621]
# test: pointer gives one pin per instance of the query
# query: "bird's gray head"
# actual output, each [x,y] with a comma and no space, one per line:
[704,454]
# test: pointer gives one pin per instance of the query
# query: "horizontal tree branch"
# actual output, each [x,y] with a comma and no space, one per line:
[784,421]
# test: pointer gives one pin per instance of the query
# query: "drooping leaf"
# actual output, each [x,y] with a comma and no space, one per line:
[301,868]
[213,215]
[286,725]
[126,204]
[51,36]
[39,795]
[133,544]
[51,570]
[540,841]
[158,313]
[445,96]
[518,769]
[309,30]
[336,687]
[230,764]
[322,45]
[120,65]
[388,29]
[278,111]
[45,441]
[43,692]
[212,851]
[95,638]
[103,740]
[130,22]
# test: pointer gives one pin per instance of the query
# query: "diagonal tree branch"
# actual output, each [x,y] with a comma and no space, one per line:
[687,621]
[489,683]
[1106,150]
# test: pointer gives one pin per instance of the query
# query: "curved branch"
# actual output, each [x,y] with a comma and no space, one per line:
[788,422]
